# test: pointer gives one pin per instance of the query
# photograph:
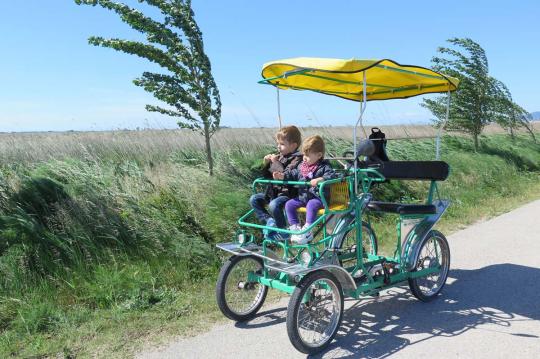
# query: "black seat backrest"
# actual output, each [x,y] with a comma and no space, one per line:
[415,170]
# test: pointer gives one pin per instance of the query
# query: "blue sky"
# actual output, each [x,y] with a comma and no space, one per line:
[52,80]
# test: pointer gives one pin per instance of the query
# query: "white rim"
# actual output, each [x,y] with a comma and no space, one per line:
[317,319]
[242,296]
[433,254]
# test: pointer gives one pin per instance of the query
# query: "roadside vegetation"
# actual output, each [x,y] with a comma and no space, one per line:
[100,254]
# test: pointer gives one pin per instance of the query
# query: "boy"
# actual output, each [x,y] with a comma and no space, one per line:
[288,140]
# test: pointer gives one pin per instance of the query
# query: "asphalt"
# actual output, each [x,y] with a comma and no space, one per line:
[489,308]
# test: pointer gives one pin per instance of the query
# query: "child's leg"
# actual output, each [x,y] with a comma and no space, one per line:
[290,207]
[276,210]
[312,207]
[258,202]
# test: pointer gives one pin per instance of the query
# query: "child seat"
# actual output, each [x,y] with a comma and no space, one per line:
[339,198]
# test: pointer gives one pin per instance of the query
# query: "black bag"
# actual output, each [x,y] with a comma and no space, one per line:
[379,140]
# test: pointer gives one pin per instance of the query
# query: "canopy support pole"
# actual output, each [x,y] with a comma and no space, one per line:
[278,107]
[438,145]
[359,121]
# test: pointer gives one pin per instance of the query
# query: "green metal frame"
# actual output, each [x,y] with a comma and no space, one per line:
[358,201]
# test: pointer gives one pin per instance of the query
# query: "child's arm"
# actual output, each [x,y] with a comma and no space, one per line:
[328,174]
[290,174]
[269,163]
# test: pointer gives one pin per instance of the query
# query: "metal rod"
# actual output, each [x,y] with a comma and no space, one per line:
[362,109]
[284,75]
[438,142]
[347,93]
[278,107]
[364,106]
[391,68]
[344,81]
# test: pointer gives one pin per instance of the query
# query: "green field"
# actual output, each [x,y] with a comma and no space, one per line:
[108,246]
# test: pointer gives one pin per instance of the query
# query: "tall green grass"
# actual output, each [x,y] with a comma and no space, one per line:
[97,250]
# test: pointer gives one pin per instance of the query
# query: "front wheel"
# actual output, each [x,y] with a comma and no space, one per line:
[237,297]
[434,253]
[315,312]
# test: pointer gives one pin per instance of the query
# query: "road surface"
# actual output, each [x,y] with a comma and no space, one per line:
[489,308]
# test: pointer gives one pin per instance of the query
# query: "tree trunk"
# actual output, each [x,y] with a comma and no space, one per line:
[208,149]
[531,131]
[475,136]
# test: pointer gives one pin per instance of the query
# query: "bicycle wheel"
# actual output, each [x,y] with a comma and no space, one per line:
[347,245]
[237,298]
[315,312]
[434,252]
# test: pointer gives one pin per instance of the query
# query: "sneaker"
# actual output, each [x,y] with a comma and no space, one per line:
[270,222]
[294,227]
[276,236]
[301,238]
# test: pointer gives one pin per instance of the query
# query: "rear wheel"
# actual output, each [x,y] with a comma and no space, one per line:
[347,246]
[237,297]
[315,312]
[434,253]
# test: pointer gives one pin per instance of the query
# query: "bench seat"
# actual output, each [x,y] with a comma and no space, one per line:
[401,208]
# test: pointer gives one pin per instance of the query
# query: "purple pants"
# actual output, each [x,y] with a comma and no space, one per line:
[312,207]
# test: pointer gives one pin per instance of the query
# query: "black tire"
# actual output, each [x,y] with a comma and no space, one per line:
[232,284]
[347,244]
[298,309]
[434,250]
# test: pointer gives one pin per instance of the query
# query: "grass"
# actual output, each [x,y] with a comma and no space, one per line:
[105,250]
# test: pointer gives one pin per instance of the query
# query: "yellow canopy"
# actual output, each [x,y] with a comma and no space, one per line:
[385,79]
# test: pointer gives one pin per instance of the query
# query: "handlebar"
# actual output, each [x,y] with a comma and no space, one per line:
[282,182]
[366,167]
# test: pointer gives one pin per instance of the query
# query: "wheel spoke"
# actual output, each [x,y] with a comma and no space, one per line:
[319,320]
[243,300]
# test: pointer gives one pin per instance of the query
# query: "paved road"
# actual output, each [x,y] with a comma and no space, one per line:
[490,308]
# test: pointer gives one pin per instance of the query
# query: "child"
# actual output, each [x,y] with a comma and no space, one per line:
[315,169]
[288,140]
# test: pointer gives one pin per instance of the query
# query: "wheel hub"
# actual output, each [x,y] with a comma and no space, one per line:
[246,285]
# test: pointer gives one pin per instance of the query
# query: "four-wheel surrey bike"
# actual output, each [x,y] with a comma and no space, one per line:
[343,259]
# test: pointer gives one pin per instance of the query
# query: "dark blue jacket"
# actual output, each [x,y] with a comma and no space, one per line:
[284,163]
[305,193]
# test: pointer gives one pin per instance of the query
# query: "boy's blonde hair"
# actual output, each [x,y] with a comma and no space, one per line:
[290,134]
[313,144]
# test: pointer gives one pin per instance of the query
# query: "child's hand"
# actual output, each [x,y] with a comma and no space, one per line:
[314,182]
[270,158]
[278,175]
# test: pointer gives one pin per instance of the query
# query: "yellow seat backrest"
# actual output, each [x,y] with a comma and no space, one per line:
[339,195]
[339,198]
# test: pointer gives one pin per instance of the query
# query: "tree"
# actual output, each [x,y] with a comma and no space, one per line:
[510,115]
[473,106]
[175,43]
